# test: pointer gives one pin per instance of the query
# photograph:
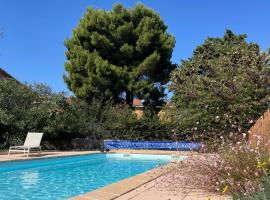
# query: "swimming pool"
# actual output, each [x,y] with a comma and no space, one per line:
[60,178]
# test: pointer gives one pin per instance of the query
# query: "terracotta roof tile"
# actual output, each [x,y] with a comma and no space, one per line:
[4,74]
[137,102]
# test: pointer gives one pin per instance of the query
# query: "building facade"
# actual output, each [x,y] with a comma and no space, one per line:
[4,75]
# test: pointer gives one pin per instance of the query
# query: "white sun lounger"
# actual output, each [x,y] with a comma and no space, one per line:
[32,142]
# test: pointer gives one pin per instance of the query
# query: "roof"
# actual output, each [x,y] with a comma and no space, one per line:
[137,102]
[5,75]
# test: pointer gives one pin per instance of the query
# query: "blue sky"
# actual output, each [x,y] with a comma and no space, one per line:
[32,48]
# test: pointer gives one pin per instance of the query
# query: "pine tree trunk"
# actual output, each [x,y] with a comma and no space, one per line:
[129,98]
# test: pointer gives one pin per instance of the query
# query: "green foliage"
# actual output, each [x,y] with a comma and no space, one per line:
[239,169]
[116,55]
[28,108]
[14,106]
[222,88]
[263,194]
[122,123]
[36,108]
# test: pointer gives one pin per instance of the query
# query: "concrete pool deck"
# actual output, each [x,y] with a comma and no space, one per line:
[52,154]
[44,154]
[149,191]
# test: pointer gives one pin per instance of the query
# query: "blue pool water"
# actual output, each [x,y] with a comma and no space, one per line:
[60,178]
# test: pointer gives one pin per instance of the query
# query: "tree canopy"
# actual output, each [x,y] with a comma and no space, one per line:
[119,54]
[26,108]
[223,87]
[36,108]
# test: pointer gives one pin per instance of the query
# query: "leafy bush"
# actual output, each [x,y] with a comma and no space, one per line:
[16,111]
[25,108]
[223,88]
[262,194]
[36,108]
[122,123]
[239,168]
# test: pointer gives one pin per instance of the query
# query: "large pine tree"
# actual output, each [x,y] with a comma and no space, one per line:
[119,54]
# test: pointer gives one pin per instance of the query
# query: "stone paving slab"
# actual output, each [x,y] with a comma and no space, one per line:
[49,154]
[148,191]
[173,185]
[96,195]
[44,154]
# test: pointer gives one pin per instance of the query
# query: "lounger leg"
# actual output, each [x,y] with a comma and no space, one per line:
[9,151]
[39,150]
[28,152]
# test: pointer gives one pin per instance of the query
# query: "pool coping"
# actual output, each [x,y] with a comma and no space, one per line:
[115,190]
[58,154]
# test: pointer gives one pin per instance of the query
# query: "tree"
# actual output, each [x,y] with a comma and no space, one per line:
[119,54]
[222,88]
[15,100]
[35,108]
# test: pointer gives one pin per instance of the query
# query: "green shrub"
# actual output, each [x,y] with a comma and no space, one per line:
[262,194]
[15,103]
[122,123]
[239,168]
[36,108]
[25,108]
[222,88]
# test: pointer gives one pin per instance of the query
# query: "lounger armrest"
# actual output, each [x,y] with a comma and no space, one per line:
[11,147]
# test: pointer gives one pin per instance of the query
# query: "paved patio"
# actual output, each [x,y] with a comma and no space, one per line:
[149,191]
[184,182]
[44,154]
[49,154]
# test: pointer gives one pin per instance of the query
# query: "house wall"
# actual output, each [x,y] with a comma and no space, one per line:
[162,114]
[4,74]
[138,111]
